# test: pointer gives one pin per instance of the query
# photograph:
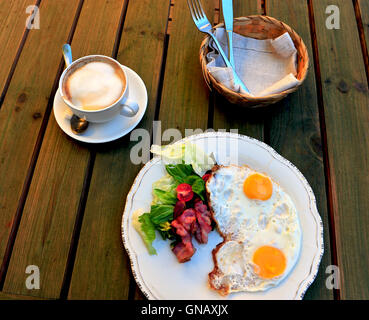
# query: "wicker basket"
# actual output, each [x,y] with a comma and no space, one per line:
[257,27]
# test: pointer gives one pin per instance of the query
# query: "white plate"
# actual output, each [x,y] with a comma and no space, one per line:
[162,277]
[114,129]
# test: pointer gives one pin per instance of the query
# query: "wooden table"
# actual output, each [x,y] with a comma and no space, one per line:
[61,201]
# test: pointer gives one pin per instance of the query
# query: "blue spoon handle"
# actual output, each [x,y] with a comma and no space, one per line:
[67,54]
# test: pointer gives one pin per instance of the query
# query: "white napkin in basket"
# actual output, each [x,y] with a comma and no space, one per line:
[265,66]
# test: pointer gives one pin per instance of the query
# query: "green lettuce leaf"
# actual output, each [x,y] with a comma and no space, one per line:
[164,197]
[165,183]
[180,171]
[146,229]
[161,213]
[198,185]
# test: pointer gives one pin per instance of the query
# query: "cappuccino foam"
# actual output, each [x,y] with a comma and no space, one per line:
[94,86]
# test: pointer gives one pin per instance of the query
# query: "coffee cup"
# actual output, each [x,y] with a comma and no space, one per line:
[96,88]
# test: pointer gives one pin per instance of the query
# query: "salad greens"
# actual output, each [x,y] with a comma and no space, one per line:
[183,173]
[166,183]
[164,190]
[197,184]
[161,213]
[164,197]
[180,172]
[146,229]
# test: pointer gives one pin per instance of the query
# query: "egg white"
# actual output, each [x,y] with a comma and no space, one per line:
[247,224]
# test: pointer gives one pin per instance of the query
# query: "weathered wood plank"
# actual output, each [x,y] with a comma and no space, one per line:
[12,28]
[294,130]
[45,233]
[185,97]
[25,104]
[138,295]
[245,8]
[101,269]
[10,296]
[346,100]
[226,115]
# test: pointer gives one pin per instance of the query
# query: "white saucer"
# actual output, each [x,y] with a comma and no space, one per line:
[114,129]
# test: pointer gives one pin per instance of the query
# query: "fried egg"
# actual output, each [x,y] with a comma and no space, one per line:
[260,227]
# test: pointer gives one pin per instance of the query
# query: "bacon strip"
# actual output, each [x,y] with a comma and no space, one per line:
[203,222]
[183,250]
[187,219]
[195,221]
[179,208]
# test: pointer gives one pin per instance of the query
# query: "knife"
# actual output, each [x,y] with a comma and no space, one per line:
[227,6]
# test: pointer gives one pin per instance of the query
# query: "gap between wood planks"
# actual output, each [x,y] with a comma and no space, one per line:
[217,20]
[336,292]
[36,151]
[263,5]
[360,28]
[16,59]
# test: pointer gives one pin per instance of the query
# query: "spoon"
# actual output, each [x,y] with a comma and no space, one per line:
[77,124]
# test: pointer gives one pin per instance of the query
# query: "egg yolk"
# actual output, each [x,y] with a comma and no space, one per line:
[258,186]
[269,262]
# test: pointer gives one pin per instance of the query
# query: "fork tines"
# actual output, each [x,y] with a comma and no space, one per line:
[196,9]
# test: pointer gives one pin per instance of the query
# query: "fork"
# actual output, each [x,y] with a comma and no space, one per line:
[203,24]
